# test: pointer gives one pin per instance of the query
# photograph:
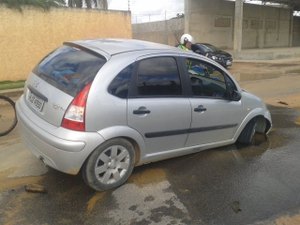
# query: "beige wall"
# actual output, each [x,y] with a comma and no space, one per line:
[26,37]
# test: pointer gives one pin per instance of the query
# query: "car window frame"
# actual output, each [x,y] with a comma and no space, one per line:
[133,89]
[130,80]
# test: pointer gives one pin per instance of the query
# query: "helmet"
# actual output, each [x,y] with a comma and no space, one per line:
[186,38]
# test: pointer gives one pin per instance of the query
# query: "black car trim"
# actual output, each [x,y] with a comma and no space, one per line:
[37,93]
[83,48]
[187,131]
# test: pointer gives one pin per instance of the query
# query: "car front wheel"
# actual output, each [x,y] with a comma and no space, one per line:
[247,135]
[110,165]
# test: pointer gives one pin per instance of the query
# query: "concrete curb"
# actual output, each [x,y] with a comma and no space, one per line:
[270,61]
[12,92]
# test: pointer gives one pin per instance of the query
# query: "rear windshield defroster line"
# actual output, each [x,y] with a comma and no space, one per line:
[69,68]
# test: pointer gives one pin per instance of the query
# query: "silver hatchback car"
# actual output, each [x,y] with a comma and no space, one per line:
[104,106]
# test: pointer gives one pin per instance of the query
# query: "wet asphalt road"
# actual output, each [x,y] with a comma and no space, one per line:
[229,185]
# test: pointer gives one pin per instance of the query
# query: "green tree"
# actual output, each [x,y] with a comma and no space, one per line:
[100,4]
[44,4]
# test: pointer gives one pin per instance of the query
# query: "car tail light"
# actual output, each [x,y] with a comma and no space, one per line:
[74,118]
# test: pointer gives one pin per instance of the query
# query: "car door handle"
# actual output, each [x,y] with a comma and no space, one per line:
[140,111]
[200,108]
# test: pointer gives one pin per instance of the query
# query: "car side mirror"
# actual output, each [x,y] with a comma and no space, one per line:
[235,95]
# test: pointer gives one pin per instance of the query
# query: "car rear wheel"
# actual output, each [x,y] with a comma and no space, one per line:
[247,135]
[110,165]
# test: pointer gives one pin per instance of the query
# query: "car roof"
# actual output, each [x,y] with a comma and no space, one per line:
[110,47]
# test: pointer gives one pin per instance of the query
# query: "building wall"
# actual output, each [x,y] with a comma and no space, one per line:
[270,27]
[165,32]
[213,21]
[28,36]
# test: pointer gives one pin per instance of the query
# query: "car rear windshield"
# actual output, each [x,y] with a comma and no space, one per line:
[69,69]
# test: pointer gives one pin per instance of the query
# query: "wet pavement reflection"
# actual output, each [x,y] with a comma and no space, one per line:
[229,185]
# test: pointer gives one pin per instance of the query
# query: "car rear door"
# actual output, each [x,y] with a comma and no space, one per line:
[156,106]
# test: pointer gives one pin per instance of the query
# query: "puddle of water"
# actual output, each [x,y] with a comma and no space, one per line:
[161,203]
[283,117]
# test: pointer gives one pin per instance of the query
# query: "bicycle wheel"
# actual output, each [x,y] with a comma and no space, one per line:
[8,118]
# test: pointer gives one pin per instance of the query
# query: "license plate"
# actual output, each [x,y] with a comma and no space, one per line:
[36,102]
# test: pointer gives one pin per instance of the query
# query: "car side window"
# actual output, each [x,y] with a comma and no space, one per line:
[206,79]
[120,84]
[158,76]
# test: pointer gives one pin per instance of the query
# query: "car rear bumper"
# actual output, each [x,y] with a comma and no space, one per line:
[59,148]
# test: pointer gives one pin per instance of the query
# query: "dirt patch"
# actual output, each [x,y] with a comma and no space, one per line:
[14,183]
[290,220]
[143,177]
[246,71]
[298,121]
[98,197]
[290,101]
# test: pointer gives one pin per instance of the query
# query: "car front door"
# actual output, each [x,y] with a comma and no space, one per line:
[215,118]
[156,106]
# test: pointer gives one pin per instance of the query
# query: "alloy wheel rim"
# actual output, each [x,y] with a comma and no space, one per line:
[112,164]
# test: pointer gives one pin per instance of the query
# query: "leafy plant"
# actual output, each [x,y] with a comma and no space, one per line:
[44,4]
[11,84]
[101,4]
